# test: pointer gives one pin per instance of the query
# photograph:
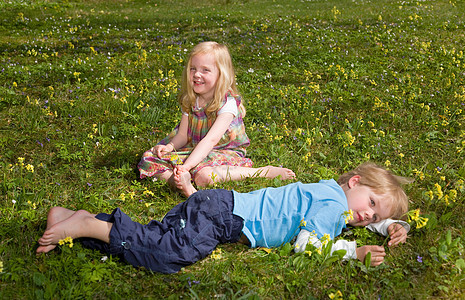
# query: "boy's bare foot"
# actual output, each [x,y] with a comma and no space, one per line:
[55,215]
[184,184]
[73,226]
[273,172]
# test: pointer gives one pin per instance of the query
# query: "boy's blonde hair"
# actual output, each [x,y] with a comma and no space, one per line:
[226,79]
[382,182]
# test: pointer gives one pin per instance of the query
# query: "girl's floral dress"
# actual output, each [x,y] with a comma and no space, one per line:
[230,150]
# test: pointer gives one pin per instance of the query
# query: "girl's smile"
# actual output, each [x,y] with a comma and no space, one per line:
[203,76]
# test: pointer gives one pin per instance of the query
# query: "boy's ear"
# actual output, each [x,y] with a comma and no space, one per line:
[353,181]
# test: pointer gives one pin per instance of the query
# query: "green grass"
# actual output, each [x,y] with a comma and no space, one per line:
[86,87]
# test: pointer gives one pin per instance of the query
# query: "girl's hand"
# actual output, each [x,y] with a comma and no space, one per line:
[397,234]
[377,254]
[161,150]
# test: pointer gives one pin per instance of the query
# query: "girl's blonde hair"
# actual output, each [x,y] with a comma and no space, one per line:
[382,182]
[226,79]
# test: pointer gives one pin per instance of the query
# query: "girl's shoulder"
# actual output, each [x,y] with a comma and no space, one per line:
[231,95]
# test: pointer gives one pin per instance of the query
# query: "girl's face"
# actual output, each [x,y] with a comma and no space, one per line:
[203,76]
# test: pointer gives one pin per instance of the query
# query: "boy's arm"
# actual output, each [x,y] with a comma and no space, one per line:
[396,229]
[352,252]
[381,227]
[306,236]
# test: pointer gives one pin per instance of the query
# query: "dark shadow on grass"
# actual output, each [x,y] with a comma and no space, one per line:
[120,161]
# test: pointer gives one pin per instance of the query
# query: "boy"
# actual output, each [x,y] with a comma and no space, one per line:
[268,217]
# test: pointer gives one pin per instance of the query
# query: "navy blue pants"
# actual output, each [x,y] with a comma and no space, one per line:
[189,232]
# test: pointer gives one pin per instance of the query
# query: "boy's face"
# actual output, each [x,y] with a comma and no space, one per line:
[367,206]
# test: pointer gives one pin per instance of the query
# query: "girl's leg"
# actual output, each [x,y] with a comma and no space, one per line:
[183,184]
[79,224]
[210,175]
[168,176]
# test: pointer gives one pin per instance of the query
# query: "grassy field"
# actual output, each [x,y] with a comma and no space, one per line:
[87,86]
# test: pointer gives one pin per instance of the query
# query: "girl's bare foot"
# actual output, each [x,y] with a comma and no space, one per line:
[184,184]
[273,172]
[55,215]
[73,226]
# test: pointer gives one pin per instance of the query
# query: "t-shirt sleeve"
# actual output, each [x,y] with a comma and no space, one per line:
[230,106]
[382,226]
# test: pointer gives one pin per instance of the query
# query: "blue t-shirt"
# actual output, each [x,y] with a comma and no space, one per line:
[274,216]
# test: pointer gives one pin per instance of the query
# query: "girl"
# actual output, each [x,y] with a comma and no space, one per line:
[209,143]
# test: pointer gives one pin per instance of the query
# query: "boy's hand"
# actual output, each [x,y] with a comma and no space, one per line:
[377,254]
[397,234]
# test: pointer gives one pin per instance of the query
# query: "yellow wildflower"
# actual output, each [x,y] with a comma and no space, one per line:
[67,240]
[309,141]
[30,168]
[176,159]
[213,176]
[267,250]
[337,295]
[430,195]
[438,191]
[387,163]
[147,192]
[216,254]
[325,239]
[422,222]
[348,215]
[414,216]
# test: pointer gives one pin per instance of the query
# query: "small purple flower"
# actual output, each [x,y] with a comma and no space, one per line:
[419,259]
[89,184]
[192,282]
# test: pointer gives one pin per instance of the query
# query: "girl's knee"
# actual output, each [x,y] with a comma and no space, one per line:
[203,178]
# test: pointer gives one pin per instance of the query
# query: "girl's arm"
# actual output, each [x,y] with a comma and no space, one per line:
[177,142]
[212,138]
[180,139]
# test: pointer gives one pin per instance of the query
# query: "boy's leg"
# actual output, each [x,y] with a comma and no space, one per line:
[55,215]
[79,224]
